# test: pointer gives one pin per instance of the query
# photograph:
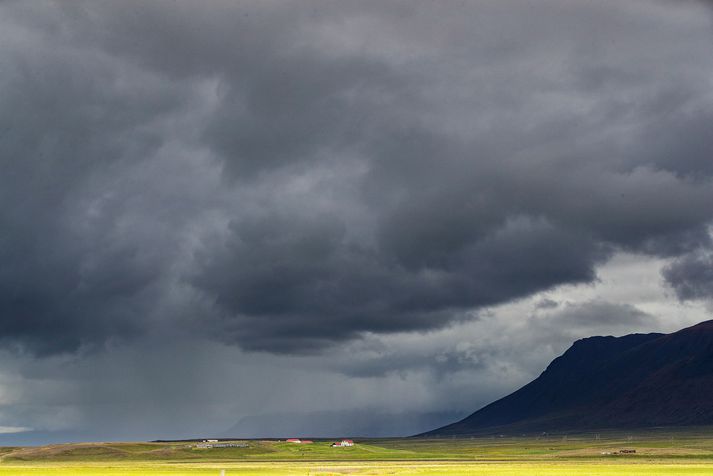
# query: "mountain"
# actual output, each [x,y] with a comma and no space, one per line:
[634,381]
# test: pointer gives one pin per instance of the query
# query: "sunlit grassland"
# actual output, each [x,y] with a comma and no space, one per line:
[657,452]
[361,468]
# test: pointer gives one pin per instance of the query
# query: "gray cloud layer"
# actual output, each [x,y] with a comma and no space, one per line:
[287,176]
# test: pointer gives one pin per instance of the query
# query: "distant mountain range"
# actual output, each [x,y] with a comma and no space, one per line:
[634,381]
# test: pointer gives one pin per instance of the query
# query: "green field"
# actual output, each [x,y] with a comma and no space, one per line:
[656,452]
[366,468]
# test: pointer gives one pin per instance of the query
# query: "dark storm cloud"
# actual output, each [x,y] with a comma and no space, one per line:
[691,275]
[550,330]
[71,270]
[285,177]
[291,281]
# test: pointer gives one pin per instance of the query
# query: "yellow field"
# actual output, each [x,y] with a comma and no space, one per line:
[362,468]
[654,453]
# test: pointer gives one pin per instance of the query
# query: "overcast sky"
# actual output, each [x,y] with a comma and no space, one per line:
[336,217]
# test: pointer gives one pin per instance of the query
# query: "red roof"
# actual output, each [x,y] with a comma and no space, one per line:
[293,440]
[347,441]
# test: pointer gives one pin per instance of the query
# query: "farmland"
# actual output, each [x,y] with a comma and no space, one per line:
[640,453]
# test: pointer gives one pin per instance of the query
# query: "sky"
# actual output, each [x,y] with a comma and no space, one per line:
[330,218]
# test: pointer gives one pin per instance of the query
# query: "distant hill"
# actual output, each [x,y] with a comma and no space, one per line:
[634,381]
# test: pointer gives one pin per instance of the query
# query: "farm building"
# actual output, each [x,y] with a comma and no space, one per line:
[298,440]
[342,443]
[220,445]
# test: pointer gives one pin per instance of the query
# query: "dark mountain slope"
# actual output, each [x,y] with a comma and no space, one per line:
[639,380]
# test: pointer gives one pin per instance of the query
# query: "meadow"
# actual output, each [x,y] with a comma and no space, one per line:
[662,452]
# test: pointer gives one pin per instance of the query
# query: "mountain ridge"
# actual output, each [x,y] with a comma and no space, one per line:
[632,381]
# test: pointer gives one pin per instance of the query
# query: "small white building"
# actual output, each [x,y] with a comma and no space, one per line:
[343,443]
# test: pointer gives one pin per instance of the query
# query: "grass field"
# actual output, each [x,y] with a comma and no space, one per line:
[656,452]
[363,468]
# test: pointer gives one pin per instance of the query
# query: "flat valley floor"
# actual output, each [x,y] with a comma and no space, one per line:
[366,468]
[654,452]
